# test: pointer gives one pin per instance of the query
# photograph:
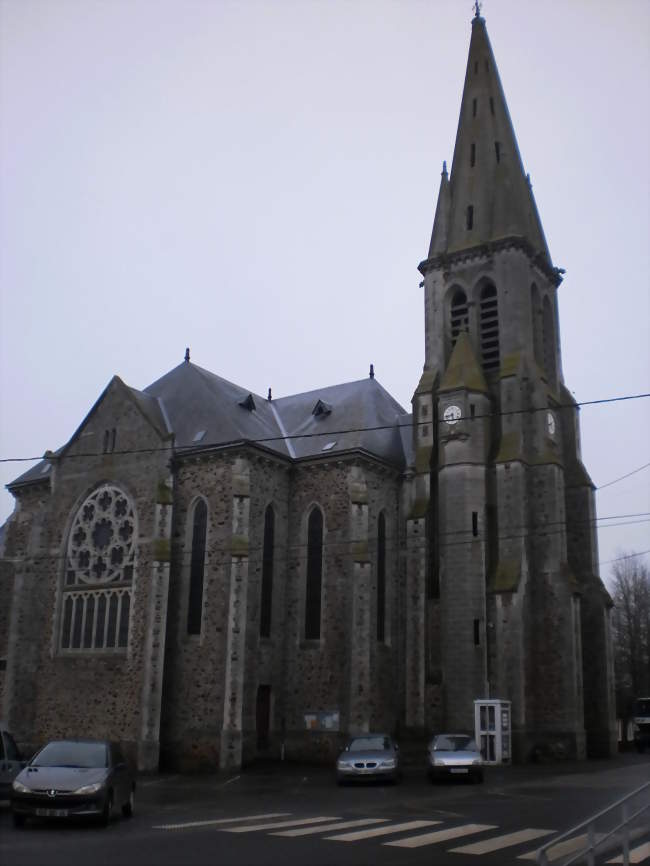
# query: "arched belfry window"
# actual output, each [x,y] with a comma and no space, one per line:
[314,577]
[459,315]
[197,565]
[381,577]
[549,341]
[99,569]
[267,572]
[536,325]
[489,328]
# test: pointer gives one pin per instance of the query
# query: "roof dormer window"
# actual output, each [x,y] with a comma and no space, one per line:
[321,408]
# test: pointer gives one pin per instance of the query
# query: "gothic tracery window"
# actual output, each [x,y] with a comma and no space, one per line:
[99,568]
[548,340]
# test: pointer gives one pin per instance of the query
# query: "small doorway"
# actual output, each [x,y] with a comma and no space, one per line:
[263,717]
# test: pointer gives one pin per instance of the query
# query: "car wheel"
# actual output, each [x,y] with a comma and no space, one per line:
[19,820]
[129,807]
[107,811]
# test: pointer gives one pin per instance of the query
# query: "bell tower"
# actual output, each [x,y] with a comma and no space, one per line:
[514,605]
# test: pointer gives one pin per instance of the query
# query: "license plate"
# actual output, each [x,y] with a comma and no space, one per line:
[52,813]
[459,770]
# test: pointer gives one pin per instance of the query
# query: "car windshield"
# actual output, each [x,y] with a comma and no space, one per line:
[461,743]
[70,754]
[369,744]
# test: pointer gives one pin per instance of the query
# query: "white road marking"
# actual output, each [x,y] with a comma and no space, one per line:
[274,825]
[341,825]
[440,836]
[215,821]
[498,842]
[381,831]
[637,855]
[566,847]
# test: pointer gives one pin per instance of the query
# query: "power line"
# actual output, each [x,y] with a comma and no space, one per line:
[176,450]
[627,556]
[623,477]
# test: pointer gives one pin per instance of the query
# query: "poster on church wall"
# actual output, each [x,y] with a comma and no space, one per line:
[325,720]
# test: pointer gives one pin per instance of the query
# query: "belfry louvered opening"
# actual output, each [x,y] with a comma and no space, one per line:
[489,328]
[459,315]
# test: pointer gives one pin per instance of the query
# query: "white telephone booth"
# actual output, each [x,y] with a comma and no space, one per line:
[492,730]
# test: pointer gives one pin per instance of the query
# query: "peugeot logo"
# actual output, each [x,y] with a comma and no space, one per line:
[51,792]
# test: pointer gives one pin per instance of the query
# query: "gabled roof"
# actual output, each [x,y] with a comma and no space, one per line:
[487,173]
[463,370]
[357,409]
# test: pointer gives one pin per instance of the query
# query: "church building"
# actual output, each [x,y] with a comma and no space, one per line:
[209,575]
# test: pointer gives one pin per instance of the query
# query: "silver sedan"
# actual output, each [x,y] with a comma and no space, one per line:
[454,755]
[369,756]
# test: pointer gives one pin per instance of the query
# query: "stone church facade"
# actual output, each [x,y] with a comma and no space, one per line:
[208,575]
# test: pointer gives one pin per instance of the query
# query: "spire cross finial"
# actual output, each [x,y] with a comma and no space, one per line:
[477,9]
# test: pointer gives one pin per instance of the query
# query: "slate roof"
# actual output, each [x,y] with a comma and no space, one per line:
[203,410]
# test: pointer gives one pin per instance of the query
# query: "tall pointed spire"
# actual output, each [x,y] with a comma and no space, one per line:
[488,197]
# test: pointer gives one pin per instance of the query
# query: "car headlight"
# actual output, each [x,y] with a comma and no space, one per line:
[341,765]
[389,763]
[476,761]
[20,788]
[438,762]
[89,789]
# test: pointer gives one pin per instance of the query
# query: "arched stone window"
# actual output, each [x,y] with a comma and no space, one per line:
[197,567]
[536,324]
[314,575]
[381,577]
[489,328]
[549,341]
[267,573]
[459,320]
[99,569]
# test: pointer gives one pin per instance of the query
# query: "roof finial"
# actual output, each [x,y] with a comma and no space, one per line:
[187,356]
[477,9]
[444,168]
[372,371]
[269,398]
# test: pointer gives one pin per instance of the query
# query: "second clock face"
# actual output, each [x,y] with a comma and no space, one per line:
[550,423]
[452,414]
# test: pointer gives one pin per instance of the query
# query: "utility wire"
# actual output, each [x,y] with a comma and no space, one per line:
[197,448]
[623,477]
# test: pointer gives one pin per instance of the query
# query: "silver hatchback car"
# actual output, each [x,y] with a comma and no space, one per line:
[454,755]
[369,756]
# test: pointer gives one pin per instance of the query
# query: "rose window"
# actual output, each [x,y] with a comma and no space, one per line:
[97,591]
[101,546]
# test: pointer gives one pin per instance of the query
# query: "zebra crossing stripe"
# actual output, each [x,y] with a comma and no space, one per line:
[381,831]
[215,821]
[341,825]
[276,825]
[637,855]
[566,847]
[440,836]
[498,842]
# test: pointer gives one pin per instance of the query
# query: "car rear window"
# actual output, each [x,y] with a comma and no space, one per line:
[70,754]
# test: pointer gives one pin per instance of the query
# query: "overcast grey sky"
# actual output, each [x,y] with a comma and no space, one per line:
[257,180]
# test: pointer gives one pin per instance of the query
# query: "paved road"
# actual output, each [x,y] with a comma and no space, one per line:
[290,815]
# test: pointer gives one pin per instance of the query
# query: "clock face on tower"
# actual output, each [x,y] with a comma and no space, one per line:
[550,423]
[452,414]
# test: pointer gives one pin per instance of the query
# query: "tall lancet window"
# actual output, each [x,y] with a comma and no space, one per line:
[381,577]
[267,573]
[197,563]
[549,341]
[314,575]
[459,315]
[489,328]
[536,325]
